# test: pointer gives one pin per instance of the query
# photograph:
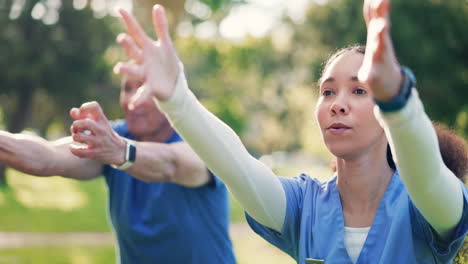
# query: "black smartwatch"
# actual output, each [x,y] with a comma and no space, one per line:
[130,157]
[400,100]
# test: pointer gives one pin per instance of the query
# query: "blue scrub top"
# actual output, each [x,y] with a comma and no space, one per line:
[165,222]
[314,227]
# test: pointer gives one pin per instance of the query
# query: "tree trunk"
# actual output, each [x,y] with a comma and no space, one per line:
[23,109]
[3,182]
[18,121]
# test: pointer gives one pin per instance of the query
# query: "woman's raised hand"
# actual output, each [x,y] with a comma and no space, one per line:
[380,70]
[154,61]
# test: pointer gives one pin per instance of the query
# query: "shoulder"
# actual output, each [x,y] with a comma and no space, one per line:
[306,182]
[301,186]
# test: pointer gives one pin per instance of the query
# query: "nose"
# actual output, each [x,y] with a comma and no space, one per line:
[339,106]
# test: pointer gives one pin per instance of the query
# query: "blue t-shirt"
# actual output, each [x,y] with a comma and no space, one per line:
[314,227]
[168,223]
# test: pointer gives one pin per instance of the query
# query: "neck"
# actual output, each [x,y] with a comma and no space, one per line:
[161,134]
[362,183]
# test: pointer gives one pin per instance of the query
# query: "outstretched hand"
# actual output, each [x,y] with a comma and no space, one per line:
[154,61]
[380,70]
[101,142]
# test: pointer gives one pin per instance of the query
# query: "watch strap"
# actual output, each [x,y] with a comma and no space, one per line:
[130,157]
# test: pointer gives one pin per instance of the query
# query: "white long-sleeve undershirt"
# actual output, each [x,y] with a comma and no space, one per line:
[432,187]
[251,182]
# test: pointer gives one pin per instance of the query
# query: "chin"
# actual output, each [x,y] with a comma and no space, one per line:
[136,130]
[342,150]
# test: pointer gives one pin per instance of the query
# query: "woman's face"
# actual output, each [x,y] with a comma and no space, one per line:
[345,110]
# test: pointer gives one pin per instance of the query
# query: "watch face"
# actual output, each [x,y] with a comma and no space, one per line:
[131,152]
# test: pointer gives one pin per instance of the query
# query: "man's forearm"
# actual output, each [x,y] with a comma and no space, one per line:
[28,153]
[155,162]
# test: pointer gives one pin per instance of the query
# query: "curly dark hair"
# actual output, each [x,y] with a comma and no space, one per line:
[454,150]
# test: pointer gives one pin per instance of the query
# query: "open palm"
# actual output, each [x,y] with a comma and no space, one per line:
[153,61]
[380,70]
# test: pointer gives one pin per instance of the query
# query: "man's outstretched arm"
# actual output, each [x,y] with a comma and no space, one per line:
[36,156]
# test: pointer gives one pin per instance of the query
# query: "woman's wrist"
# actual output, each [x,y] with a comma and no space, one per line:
[401,98]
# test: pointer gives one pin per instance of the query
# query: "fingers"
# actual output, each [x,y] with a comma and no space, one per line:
[375,48]
[131,69]
[141,95]
[137,72]
[134,28]
[381,8]
[82,125]
[366,11]
[374,9]
[376,13]
[75,113]
[161,25]
[131,49]
[82,151]
[84,138]
[92,110]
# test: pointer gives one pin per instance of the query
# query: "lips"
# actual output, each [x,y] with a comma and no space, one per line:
[338,128]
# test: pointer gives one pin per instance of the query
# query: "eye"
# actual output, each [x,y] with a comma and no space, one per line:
[327,92]
[359,91]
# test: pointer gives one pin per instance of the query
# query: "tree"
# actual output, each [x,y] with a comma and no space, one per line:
[49,49]
[55,57]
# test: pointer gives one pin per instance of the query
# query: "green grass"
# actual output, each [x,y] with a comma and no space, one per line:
[249,250]
[54,204]
[63,205]
[58,255]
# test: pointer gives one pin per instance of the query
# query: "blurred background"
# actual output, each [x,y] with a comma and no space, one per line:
[254,63]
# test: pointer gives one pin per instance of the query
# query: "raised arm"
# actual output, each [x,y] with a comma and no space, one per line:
[253,184]
[37,156]
[433,188]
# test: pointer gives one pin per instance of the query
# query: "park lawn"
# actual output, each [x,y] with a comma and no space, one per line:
[248,251]
[58,255]
[56,204]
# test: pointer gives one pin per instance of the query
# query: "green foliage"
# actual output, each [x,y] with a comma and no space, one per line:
[63,61]
[246,86]
[216,5]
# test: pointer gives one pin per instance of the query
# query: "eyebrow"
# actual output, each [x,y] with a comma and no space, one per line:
[331,79]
